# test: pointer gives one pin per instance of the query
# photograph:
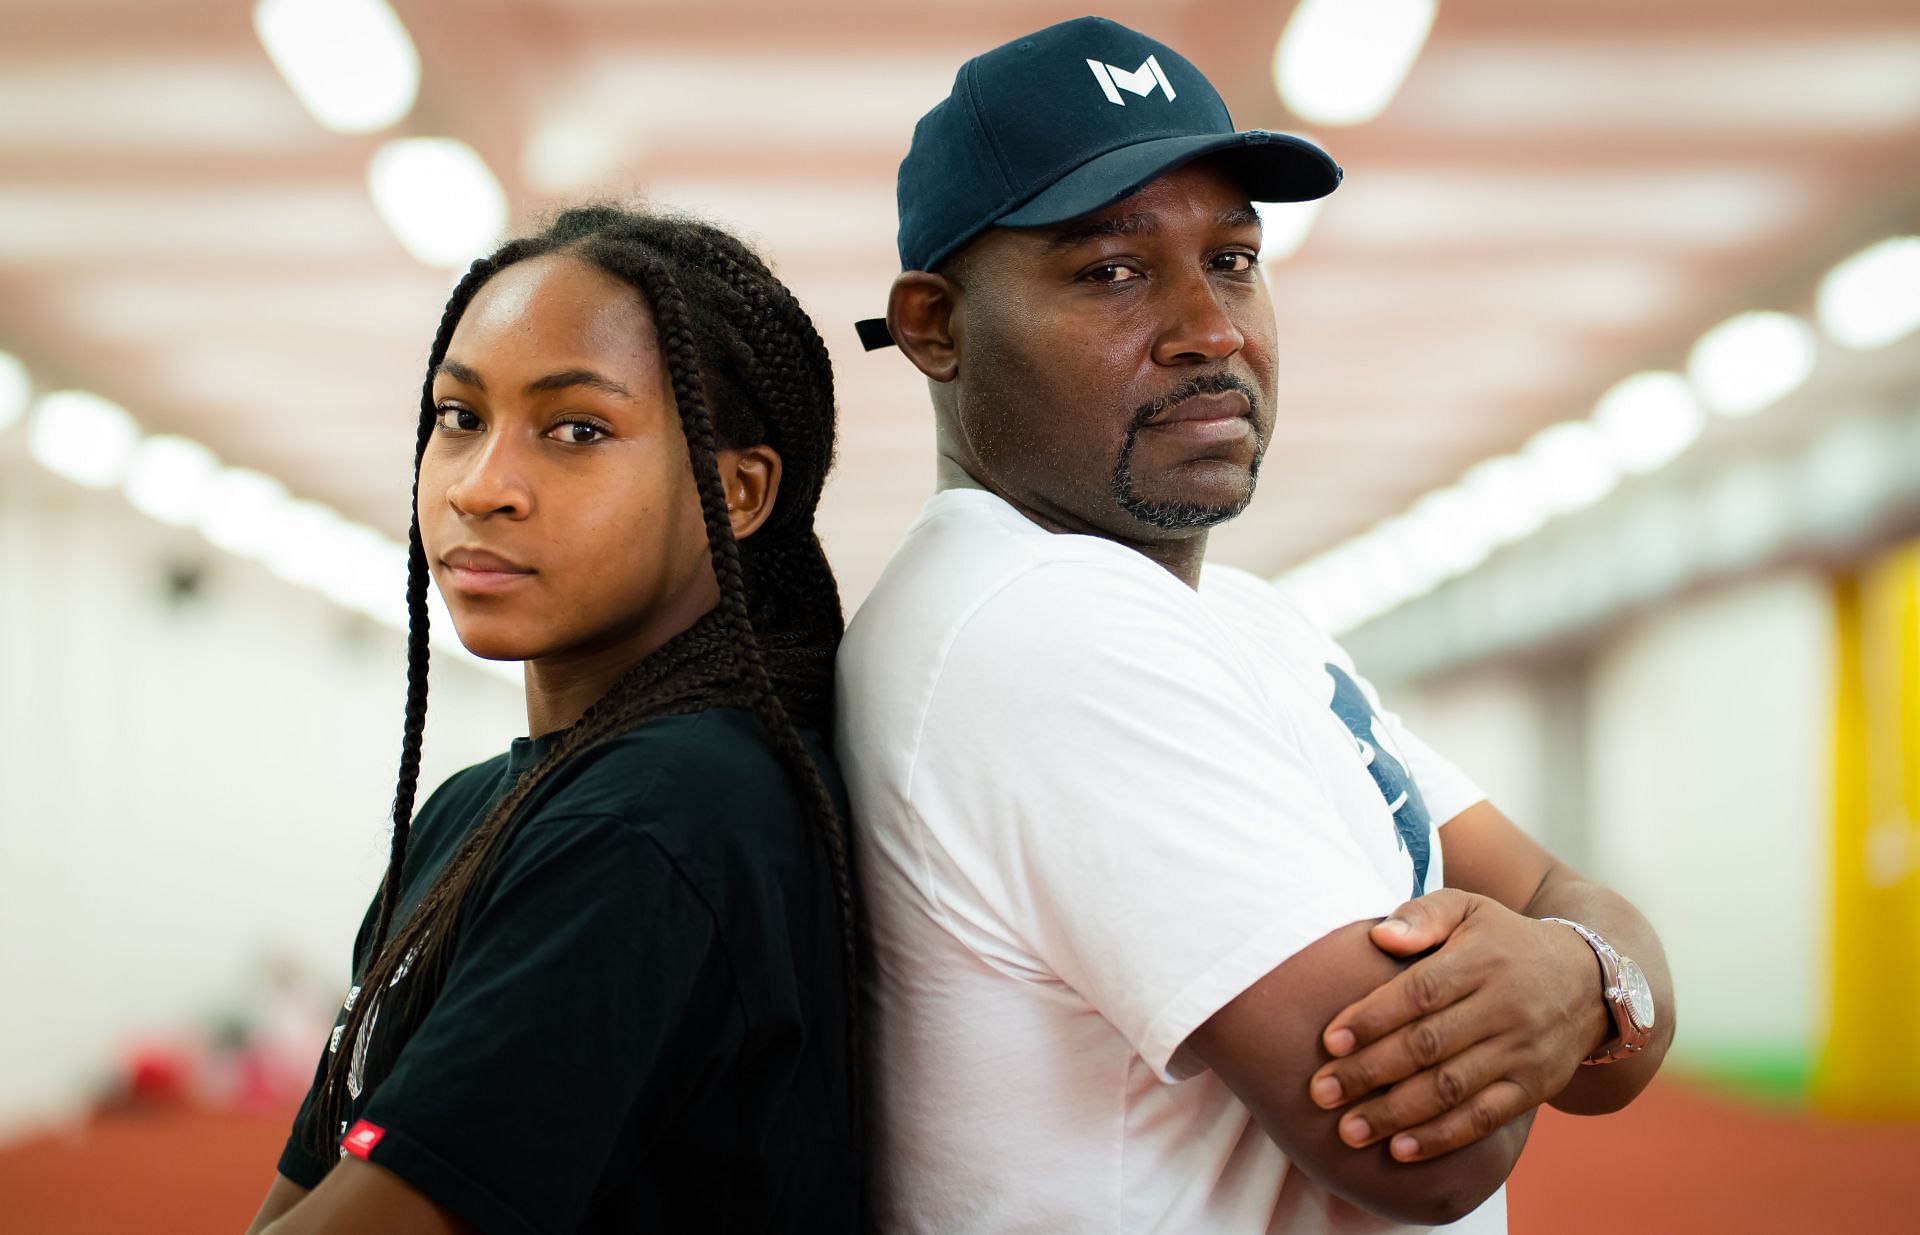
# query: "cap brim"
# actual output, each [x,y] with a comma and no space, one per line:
[1276,167]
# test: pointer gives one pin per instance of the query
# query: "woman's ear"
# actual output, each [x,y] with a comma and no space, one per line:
[751,479]
[920,319]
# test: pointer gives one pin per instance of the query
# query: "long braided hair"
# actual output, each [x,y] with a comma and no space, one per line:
[747,367]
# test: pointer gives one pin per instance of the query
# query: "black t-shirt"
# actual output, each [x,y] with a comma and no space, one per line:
[643,1024]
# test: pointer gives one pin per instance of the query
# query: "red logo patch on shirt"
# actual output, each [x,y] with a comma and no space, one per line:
[361,1138]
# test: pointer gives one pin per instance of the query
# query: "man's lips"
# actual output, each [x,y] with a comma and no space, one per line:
[1207,417]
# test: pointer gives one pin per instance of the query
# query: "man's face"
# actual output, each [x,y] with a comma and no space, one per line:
[1116,373]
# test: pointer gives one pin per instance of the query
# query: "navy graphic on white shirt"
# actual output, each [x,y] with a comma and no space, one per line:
[1411,822]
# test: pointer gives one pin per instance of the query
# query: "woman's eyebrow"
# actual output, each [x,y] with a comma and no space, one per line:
[577,377]
[460,373]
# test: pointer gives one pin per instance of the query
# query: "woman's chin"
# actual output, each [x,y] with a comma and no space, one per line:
[490,643]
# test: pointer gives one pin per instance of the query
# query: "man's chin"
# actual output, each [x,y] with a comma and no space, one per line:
[1192,509]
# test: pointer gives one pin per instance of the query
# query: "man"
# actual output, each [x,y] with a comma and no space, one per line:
[1127,823]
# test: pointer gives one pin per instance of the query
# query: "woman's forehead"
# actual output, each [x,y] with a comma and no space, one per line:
[557,300]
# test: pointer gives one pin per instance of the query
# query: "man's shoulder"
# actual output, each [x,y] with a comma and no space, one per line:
[970,556]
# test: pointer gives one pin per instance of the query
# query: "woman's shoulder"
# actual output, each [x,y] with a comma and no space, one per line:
[699,770]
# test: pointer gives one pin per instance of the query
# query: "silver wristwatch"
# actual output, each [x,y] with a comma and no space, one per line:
[1628,997]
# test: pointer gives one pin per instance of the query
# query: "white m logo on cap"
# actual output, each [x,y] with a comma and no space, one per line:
[1141,81]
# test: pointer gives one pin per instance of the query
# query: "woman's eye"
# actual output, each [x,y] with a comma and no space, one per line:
[458,419]
[577,432]
[1113,272]
[1234,263]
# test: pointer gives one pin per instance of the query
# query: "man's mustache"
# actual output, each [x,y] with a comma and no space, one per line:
[1204,384]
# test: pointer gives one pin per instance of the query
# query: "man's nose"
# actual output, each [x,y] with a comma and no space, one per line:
[1197,328]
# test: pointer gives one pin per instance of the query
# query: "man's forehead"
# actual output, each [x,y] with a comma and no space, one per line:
[1130,218]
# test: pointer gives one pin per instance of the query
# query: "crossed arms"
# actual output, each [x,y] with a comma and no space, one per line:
[1408,1087]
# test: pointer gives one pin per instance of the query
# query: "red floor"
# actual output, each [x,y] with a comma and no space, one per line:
[1676,1163]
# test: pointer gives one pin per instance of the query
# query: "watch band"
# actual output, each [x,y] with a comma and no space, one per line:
[1621,982]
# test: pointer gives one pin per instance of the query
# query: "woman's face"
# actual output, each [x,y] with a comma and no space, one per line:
[557,507]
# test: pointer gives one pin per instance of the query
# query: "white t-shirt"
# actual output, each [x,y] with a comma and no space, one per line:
[1092,805]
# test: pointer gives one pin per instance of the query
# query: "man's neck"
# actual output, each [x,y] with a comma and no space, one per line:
[1180,558]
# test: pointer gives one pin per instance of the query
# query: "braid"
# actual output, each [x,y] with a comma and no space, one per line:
[767,646]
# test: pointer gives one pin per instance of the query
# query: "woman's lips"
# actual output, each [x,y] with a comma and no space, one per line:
[478,570]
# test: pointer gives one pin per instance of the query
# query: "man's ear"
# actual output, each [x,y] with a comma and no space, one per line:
[750,478]
[920,317]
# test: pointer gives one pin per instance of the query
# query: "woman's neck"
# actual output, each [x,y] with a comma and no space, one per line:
[561,687]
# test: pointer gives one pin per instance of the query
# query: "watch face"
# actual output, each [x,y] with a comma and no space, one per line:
[1639,994]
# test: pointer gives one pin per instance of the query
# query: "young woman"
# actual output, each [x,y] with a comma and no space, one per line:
[606,985]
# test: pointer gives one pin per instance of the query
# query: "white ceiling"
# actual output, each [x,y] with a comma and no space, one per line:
[1562,193]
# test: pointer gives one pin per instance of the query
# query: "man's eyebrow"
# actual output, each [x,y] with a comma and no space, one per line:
[1240,216]
[577,377]
[460,373]
[1072,234]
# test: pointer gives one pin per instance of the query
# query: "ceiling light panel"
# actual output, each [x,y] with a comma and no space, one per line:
[1576,292]
[780,216]
[1667,88]
[1873,298]
[1647,420]
[1697,209]
[1340,62]
[104,105]
[46,226]
[1750,361]
[818,98]
[215,307]
[82,436]
[349,62]
[440,199]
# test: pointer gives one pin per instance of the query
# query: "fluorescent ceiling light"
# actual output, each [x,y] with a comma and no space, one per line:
[572,154]
[1647,420]
[1284,227]
[1873,297]
[83,437]
[1342,61]
[16,388]
[304,543]
[1750,361]
[349,62]
[1459,528]
[1575,465]
[168,477]
[439,198]
[242,510]
[1514,491]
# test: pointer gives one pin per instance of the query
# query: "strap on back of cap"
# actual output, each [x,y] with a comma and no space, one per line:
[874,334]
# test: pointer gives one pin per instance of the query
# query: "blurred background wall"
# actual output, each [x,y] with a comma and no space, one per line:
[1599,445]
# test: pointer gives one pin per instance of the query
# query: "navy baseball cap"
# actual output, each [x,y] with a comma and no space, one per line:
[1066,121]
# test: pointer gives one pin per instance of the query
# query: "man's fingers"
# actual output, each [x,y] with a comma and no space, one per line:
[1422,923]
[1407,1051]
[1422,988]
[1479,1116]
[1423,1096]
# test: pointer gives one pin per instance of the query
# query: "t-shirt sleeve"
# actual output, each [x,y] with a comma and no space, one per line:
[587,994]
[1446,789]
[1110,802]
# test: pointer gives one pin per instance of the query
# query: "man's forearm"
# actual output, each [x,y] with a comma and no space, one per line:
[1597,1090]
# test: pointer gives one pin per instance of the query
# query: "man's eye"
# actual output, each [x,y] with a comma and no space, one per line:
[577,432]
[1113,272]
[458,419]
[1234,263]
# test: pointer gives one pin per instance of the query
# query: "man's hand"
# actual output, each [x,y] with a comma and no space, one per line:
[1492,1024]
